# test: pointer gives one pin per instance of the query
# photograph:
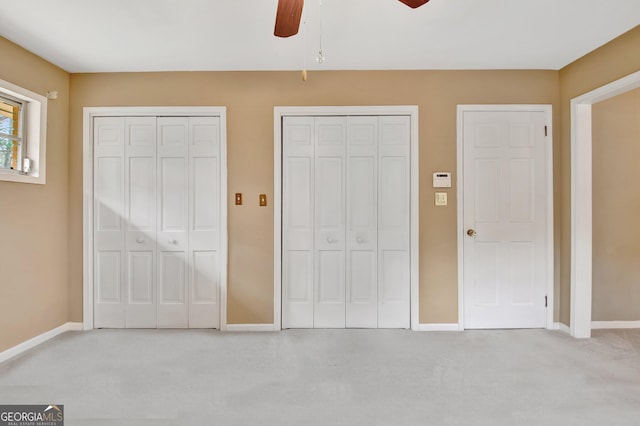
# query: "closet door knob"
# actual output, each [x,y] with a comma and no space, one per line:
[330,240]
[173,241]
[360,240]
[139,240]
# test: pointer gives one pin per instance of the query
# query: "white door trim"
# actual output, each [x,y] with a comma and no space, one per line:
[549,192]
[581,199]
[278,113]
[87,193]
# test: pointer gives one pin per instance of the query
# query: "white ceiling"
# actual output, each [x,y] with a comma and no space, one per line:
[164,35]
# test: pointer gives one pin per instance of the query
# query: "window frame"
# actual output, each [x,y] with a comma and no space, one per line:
[21,138]
[33,134]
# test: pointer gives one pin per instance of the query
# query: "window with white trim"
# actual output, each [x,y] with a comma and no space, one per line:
[12,141]
[23,131]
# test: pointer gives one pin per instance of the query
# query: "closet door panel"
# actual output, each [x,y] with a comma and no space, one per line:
[140,217]
[362,232]
[329,264]
[298,255]
[394,223]
[204,222]
[173,212]
[109,224]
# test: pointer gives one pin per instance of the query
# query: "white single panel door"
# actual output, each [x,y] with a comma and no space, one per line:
[109,224]
[505,259]
[140,221]
[173,222]
[329,266]
[362,223]
[394,213]
[204,222]
[298,221]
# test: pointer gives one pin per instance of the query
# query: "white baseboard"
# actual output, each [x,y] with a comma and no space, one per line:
[250,327]
[562,327]
[38,340]
[602,325]
[438,327]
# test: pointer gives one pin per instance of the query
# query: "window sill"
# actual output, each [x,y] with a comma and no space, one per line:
[15,176]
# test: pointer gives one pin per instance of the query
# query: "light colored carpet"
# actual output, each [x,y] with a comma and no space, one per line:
[332,377]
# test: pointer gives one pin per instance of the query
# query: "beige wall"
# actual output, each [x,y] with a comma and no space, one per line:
[616,208]
[250,98]
[36,266]
[33,218]
[610,62]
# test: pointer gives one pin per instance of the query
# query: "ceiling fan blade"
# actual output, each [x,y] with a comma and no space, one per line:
[414,3]
[288,17]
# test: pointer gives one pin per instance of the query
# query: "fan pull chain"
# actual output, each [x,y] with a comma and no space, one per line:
[320,58]
[304,50]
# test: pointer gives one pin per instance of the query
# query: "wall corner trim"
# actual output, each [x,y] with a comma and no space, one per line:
[249,327]
[439,327]
[38,340]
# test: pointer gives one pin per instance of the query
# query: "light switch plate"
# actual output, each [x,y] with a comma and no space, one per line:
[263,200]
[238,199]
[441,198]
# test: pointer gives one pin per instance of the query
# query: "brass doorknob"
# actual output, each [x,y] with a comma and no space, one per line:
[472,232]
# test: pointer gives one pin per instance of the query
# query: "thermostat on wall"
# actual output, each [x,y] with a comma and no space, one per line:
[442,180]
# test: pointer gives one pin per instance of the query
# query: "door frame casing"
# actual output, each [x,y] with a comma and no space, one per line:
[547,110]
[306,111]
[87,193]
[581,200]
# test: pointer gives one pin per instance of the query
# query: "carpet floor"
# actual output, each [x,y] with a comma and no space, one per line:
[332,377]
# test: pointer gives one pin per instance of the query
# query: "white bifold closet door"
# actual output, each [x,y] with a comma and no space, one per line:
[157,222]
[346,222]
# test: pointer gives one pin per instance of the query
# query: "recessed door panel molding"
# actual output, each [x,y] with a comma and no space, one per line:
[204,277]
[329,285]
[173,289]
[141,303]
[522,273]
[109,268]
[505,218]
[346,221]
[297,291]
[140,278]
[522,196]
[204,195]
[159,247]
[173,308]
[486,205]
[109,194]
[172,183]
[141,198]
